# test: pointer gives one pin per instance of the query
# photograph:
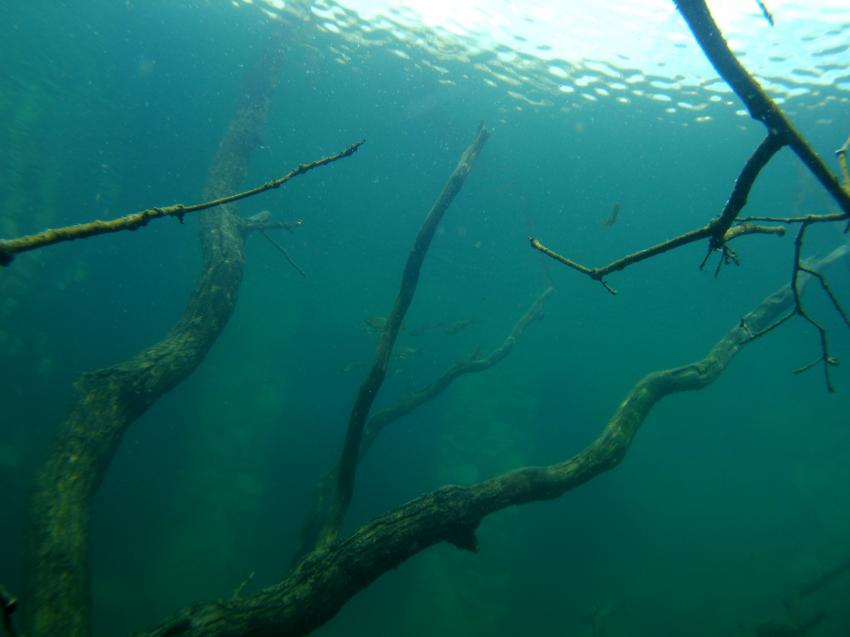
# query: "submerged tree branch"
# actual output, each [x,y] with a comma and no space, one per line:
[323,492]
[107,401]
[327,578]
[759,104]
[369,388]
[780,133]
[10,247]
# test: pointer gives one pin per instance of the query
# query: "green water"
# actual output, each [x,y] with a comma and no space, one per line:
[730,500]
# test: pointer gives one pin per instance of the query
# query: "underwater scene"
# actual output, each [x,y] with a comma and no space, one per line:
[536,324]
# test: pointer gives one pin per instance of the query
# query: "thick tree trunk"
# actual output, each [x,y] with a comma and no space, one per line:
[108,400]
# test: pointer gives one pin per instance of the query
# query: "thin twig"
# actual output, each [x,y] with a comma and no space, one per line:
[769,328]
[767,14]
[825,357]
[284,253]
[829,293]
[841,154]
[814,218]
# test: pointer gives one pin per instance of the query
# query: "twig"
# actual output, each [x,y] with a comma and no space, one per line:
[769,328]
[829,293]
[10,247]
[284,253]
[716,230]
[837,216]
[323,492]
[825,357]
[390,414]
[767,14]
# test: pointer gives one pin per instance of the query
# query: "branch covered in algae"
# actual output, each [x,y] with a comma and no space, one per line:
[323,492]
[375,378]
[108,401]
[10,247]
[327,578]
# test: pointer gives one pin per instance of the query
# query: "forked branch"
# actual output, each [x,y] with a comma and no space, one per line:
[327,578]
[375,378]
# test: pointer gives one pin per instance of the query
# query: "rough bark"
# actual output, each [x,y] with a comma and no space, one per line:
[327,578]
[347,468]
[108,400]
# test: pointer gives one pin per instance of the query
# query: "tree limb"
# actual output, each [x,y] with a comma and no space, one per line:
[107,401]
[369,388]
[327,578]
[10,247]
[323,492]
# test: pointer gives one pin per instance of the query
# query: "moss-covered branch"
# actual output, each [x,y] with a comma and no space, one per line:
[108,400]
[10,247]
[326,579]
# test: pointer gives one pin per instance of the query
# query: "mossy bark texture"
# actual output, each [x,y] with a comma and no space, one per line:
[327,578]
[108,400]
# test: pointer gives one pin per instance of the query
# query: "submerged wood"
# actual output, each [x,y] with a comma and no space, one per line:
[10,247]
[781,132]
[327,578]
[759,104]
[324,490]
[369,389]
[108,400]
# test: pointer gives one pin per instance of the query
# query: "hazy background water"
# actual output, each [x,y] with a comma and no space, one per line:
[730,499]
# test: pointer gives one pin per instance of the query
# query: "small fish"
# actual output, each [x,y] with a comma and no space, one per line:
[612,218]
[458,326]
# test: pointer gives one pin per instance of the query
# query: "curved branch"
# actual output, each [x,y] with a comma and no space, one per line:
[107,401]
[715,230]
[387,415]
[324,581]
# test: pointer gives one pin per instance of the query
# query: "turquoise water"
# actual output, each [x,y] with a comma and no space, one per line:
[730,501]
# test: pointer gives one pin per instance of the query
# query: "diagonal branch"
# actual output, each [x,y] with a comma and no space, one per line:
[390,414]
[759,104]
[375,378]
[10,247]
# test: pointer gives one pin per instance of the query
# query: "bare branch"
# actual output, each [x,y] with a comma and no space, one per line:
[10,247]
[283,251]
[374,380]
[759,104]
